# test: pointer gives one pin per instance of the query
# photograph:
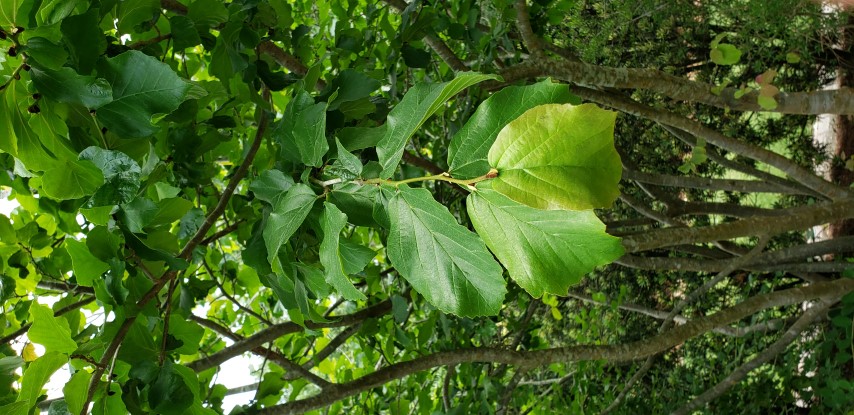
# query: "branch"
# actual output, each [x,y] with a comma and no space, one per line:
[768,325]
[703,265]
[222,232]
[523,23]
[732,185]
[441,49]
[612,353]
[274,332]
[267,353]
[714,155]
[807,318]
[792,169]
[798,218]
[836,101]
[669,319]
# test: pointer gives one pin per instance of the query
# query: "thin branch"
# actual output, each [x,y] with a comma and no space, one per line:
[798,218]
[267,353]
[231,298]
[529,359]
[741,331]
[732,185]
[274,332]
[523,23]
[222,232]
[804,322]
[507,393]
[792,169]
[669,319]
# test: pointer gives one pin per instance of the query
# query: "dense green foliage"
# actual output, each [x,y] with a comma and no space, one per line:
[409,208]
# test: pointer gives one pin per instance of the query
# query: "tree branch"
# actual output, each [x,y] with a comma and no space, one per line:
[798,218]
[612,353]
[793,170]
[835,101]
[274,332]
[804,322]
[523,23]
[731,185]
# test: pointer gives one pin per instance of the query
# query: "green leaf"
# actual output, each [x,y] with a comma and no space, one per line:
[65,85]
[332,221]
[302,130]
[51,332]
[419,103]
[768,103]
[72,180]
[86,266]
[46,53]
[468,150]
[445,262]
[142,87]
[9,14]
[544,251]
[84,40]
[207,12]
[270,185]
[37,375]
[59,407]
[351,85]
[355,257]
[793,58]
[725,54]
[356,201]
[415,58]
[132,14]
[558,157]
[138,214]
[287,216]
[121,176]
[188,332]
[346,164]
[184,32]
[110,403]
[53,11]
[75,391]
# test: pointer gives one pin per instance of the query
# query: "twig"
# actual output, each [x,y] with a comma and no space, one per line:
[806,319]
[668,320]
[523,23]
[612,353]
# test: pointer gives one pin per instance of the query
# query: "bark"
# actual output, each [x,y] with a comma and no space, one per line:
[838,101]
[731,185]
[525,360]
[798,218]
[794,171]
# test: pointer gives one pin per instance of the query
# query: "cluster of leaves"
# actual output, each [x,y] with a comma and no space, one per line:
[119,156]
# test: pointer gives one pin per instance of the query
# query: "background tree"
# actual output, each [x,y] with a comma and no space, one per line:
[388,202]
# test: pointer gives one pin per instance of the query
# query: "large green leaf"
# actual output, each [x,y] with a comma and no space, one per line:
[469,148]
[558,157]
[86,266]
[9,14]
[302,130]
[287,216]
[75,390]
[66,85]
[51,332]
[72,180]
[37,375]
[332,221]
[544,251]
[84,40]
[445,262]
[419,103]
[170,394]
[271,184]
[142,87]
[121,176]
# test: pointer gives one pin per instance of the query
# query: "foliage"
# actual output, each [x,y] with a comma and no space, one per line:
[363,193]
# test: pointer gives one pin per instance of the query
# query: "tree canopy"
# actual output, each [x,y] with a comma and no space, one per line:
[443,207]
